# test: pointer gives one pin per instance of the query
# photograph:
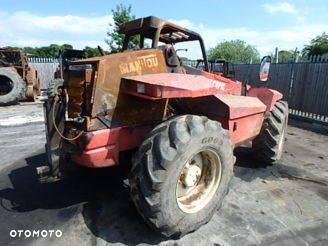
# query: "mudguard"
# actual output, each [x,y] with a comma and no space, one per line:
[268,96]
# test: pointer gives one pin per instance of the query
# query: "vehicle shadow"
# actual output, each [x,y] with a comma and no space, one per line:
[248,167]
[102,196]
[26,193]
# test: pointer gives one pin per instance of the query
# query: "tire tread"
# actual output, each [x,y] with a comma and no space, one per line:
[146,179]
[266,143]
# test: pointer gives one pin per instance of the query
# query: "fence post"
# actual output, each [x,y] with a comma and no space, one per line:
[276,54]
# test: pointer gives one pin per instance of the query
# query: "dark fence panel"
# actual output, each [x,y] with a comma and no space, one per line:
[309,91]
[279,79]
[304,85]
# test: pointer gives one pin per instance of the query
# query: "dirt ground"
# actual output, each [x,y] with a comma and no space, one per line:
[283,204]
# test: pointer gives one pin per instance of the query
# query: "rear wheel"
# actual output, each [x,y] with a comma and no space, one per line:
[181,173]
[269,144]
[11,87]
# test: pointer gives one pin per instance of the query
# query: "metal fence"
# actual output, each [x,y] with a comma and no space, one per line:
[318,58]
[304,85]
[46,68]
[191,63]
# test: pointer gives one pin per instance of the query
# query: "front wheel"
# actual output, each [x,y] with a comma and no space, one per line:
[181,174]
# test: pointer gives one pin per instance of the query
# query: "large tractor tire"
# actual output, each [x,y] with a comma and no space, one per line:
[181,174]
[268,145]
[11,87]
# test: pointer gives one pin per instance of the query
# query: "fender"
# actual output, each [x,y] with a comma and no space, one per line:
[242,116]
[267,96]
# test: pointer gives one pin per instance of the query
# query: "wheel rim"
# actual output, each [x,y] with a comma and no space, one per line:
[6,85]
[198,181]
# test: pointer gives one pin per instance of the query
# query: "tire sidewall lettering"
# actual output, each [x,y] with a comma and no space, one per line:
[210,140]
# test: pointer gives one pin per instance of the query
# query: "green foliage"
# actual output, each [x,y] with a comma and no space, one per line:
[53,50]
[317,46]
[121,14]
[92,52]
[235,51]
[285,56]
[10,47]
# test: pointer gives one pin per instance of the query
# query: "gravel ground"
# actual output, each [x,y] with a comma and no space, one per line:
[283,204]
[22,131]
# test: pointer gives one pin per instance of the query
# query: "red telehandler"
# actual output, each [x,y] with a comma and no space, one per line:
[182,122]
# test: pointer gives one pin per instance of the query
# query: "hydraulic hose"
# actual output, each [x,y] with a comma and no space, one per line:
[55,125]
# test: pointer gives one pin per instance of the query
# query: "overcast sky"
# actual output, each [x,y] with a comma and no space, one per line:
[264,24]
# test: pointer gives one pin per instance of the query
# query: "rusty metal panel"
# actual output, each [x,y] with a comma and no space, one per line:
[88,75]
[32,83]
[75,91]
[118,107]
[16,60]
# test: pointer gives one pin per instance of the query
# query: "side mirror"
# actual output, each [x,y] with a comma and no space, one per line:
[264,68]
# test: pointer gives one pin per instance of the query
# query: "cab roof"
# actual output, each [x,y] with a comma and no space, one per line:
[148,26]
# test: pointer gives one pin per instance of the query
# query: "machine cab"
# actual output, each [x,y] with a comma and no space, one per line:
[152,32]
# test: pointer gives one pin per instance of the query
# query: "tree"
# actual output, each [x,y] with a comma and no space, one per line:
[121,14]
[91,52]
[235,51]
[317,46]
[29,50]
[285,56]
[53,50]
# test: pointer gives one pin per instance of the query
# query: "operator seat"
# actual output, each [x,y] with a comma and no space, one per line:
[171,58]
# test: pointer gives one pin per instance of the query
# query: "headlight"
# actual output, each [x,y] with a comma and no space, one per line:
[141,88]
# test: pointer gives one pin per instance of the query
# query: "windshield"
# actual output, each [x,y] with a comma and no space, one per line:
[189,51]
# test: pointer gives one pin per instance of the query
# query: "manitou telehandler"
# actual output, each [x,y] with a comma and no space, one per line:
[184,124]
